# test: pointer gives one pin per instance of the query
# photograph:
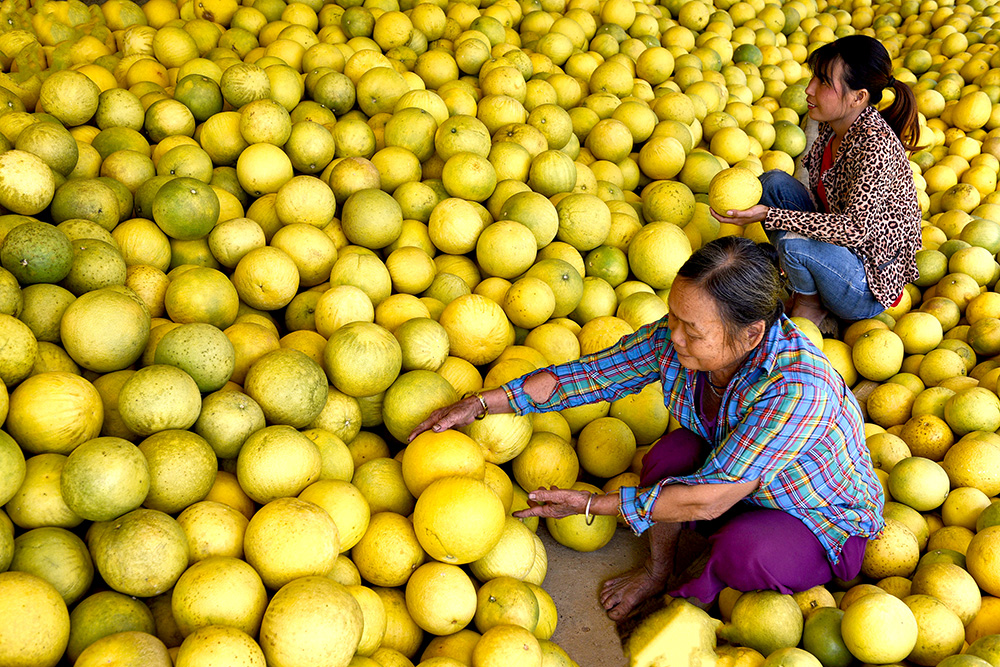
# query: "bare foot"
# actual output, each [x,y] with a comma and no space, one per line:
[622,594]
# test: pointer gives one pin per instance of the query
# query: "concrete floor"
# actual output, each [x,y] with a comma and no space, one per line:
[574,581]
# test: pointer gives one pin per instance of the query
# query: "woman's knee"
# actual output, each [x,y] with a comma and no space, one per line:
[769,549]
[780,189]
[680,452]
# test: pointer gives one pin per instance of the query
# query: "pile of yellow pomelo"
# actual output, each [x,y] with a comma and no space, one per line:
[246,248]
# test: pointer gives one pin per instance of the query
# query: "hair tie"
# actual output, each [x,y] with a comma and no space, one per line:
[891,83]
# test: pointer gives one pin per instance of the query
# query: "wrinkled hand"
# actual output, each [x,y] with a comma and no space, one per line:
[461,413]
[748,216]
[555,503]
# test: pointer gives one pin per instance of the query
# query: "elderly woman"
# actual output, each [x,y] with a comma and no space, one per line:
[847,242]
[771,448]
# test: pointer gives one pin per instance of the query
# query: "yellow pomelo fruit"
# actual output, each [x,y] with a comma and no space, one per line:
[657,252]
[380,481]
[38,501]
[431,456]
[910,518]
[644,413]
[919,482]
[972,111]
[105,330]
[812,599]
[226,420]
[185,208]
[928,436]
[506,249]
[219,590]
[952,538]
[573,531]
[69,96]
[894,553]
[423,342]
[105,613]
[477,328]
[950,584]
[362,345]
[338,463]
[458,519]
[973,409]
[104,478]
[290,387]
[877,354]
[57,556]
[54,412]
[733,189]
[312,620]
[290,538]
[440,598]
[215,643]
[506,601]
[889,404]
[403,637]
[548,460]
[940,632]
[203,295]
[33,188]
[507,645]
[879,629]
[972,462]
[13,466]
[157,398]
[765,621]
[388,552]
[457,646]
[373,612]
[266,278]
[182,467]
[840,356]
[502,437]
[963,507]
[920,332]
[213,529]
[277,462]
[983,559]
[141,553]
[981,631]
[371,218]
[345,504]
[129,649]
[940,364]
[201,350]
[513,556]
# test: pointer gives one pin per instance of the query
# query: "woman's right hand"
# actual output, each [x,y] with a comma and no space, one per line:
[461,413]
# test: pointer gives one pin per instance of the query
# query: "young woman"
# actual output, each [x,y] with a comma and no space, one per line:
[771,450]
[847,242]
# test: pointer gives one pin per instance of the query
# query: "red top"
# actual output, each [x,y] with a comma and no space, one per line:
[825,164]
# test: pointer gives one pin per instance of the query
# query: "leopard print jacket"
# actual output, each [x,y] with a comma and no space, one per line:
[873,204]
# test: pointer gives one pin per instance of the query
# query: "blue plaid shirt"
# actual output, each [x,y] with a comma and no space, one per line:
[786,420]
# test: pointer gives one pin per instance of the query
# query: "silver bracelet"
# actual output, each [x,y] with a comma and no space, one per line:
[587,516]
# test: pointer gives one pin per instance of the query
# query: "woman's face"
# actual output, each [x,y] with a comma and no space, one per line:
[698,332]
[830,101]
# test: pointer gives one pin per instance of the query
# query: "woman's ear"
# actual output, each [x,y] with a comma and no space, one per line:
[755,334]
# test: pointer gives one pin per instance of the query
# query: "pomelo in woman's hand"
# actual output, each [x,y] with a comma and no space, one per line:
[733,189]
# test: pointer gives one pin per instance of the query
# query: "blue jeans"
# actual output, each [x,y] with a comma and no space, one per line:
[833,272]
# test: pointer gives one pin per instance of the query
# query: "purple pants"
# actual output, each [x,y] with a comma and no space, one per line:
[751,548]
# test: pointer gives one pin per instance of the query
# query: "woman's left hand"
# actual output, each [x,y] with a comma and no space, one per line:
[748,216]
[555,503]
